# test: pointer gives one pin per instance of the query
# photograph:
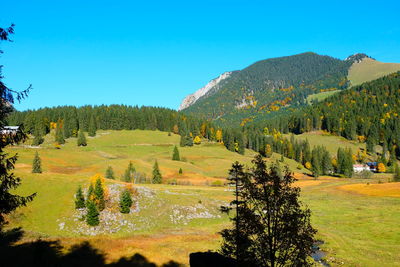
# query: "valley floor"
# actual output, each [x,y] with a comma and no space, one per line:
[357,219]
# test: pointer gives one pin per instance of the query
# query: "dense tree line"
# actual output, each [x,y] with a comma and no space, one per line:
[69,120]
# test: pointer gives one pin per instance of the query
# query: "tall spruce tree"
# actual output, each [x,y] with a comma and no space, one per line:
[92,216]
[8,181]
[81,141]
[316,162]
[37,164]
[326,163]
[157,177]
[125,202]
[79,199]
[175,155]
[92,126]
[99,197]
[110,173]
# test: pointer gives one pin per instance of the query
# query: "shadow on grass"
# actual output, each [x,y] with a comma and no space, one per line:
[51,253]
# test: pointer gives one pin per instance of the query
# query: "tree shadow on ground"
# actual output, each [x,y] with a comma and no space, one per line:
[51,253]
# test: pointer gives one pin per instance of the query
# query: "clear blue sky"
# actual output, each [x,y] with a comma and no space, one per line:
[157,52]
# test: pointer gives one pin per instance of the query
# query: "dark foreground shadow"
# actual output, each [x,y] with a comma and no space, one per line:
[51,253]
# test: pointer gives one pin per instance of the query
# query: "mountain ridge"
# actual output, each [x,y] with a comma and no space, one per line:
[273,84]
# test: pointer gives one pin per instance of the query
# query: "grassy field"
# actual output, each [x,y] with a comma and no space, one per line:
[321,96]
[369,69]
[331,142]
[357,222]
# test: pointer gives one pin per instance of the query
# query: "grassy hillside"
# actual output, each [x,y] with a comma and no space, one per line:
[175,220]
[368,69]
[331,142]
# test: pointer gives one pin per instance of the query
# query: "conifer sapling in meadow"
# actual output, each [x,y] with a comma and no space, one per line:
[110,173]
[81,141]
[129,173]
[125,201]
[79,199]
[180,171]
[157,178]
[98,194]
[37,164]
[92,216]
[175,155]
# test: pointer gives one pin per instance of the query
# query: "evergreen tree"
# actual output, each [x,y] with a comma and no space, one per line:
[316,162]
[79,199]
[92,126]
[90,194]
[110,173]
[9,200]
[370,145]
[38,133]
[180,171]
[175,155]
[271,228]
[157,178]
[125,202]
[81,139]
[92,216]
[37,140]
[59,133]
[37,165]
[99,195]
[129,173]
[326,163]
[127,178]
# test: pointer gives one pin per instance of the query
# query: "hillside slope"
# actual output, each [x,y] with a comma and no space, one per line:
[270,85]
[369,69]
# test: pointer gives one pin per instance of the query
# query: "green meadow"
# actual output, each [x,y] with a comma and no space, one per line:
[174,220]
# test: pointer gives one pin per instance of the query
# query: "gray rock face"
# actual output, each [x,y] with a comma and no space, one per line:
[191,99]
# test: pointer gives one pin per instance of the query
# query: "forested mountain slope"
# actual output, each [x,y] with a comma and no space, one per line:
[368,112]
[281,85]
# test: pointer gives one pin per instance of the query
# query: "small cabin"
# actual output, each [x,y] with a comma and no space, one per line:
[361,167]
[373,166]
[7,130]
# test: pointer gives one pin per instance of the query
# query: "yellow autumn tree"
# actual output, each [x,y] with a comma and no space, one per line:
[197,140]
[308,165]
[268,151]
[218,135]
[175,129]
[381,167]
[93,180]
[203,129]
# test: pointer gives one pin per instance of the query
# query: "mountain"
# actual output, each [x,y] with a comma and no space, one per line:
[277,85]
[212,85]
